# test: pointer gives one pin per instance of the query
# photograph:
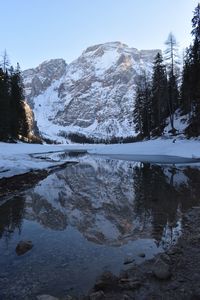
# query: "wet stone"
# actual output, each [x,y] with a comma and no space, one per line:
[161,269]
[128,260]
[141,255]
[68,297]
[106,281]
[97,295]
[46,297]
[126,297]
[129,284]
[23,247]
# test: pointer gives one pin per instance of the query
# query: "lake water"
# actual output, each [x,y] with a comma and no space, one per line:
[88,218]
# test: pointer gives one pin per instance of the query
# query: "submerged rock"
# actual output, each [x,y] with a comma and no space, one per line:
[129,284]
[46,297]
[97,295]
[141,255]
[106,281]
[161,269]
[23,247]
[128,260]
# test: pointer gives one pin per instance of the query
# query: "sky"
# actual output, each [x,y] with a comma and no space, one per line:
[33,31]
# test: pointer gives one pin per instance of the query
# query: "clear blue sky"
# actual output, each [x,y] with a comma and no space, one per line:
[35,30]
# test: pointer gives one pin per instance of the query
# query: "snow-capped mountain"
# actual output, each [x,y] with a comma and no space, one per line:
[93,95]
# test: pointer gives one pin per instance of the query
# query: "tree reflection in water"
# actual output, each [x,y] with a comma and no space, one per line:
[11,216]
[163,194]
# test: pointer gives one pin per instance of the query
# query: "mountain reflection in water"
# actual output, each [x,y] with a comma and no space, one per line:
[87,218]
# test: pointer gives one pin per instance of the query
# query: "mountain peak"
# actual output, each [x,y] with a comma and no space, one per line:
[108,45]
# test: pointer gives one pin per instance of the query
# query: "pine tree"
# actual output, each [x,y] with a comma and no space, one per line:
[171,57]
[196,23]
[138,107]
[191,78]
[187,86]
[195,64]
[141,113]
[5,62]
[4,106]
[159,95]
[16,98]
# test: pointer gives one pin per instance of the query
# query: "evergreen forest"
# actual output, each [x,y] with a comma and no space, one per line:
[13,118]
[167,91]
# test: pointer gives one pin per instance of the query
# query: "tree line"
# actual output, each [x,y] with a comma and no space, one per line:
[13,119]
[160,95]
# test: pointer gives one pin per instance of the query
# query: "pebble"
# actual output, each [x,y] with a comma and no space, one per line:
[161,270]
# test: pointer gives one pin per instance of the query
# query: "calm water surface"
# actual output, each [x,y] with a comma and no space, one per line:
[88,218]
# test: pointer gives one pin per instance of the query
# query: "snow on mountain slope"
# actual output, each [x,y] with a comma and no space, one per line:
[37,80]
[93,95]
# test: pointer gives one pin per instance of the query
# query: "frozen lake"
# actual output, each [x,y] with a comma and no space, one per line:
[87,218]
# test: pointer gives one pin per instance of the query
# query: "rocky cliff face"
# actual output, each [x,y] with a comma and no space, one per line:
[37,80]
[94,95]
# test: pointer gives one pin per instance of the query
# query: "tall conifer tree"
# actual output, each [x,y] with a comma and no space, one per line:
[159,95]
[171,57]
[17,96]
[142,114]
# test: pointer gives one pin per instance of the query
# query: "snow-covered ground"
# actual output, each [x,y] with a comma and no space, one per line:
[181,122]
[170,147]
[21,158]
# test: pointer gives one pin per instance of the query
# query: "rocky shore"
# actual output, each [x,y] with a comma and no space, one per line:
[173,275]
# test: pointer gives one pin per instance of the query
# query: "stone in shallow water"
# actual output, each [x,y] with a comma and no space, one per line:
[129,284]
[23,247]
[141,255]
[128,260]
[97,295]
[161,269]
[46,297]
[106,281]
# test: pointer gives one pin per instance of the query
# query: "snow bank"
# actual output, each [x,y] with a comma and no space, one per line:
[21,158]
[169,147]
